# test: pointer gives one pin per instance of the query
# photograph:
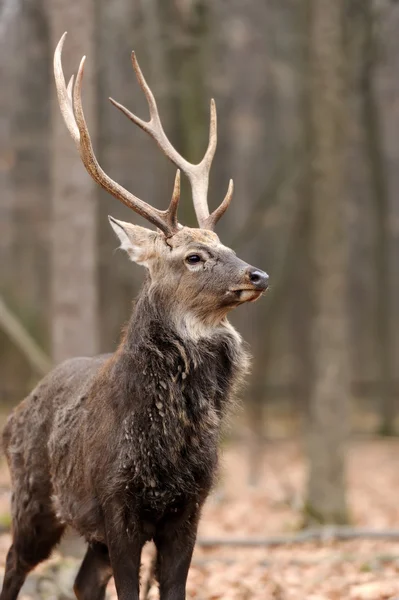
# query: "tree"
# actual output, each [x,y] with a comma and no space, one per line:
[24,183]
[121,152]
[73,228]
[379,185]
[327,425]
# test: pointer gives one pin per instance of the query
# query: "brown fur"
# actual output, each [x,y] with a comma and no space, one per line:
[123,447]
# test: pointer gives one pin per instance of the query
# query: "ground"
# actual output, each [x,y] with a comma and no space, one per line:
[359,569]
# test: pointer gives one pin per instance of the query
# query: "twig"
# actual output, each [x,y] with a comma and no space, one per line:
[267,562]
[323,534]
[22,338]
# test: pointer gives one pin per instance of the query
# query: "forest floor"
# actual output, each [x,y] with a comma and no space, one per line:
[359,569]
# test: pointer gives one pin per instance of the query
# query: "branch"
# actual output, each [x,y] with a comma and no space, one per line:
[15,330]
[382,558]
[323,534]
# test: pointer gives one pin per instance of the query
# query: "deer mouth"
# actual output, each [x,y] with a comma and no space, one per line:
[246,294]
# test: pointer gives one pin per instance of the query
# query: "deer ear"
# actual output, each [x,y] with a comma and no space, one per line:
[137,241]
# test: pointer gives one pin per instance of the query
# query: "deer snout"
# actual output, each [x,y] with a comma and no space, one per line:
[259,279]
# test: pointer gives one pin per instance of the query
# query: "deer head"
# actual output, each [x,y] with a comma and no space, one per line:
[189,268]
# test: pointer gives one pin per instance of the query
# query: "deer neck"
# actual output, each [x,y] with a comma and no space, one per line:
[156,312]
[154,343]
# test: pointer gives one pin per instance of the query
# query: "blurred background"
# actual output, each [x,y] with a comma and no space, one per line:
[307,93]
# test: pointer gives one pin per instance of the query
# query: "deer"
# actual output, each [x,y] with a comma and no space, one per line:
[123,447]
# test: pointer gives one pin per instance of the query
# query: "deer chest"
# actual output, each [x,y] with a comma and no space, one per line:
[170,439]
[170,451]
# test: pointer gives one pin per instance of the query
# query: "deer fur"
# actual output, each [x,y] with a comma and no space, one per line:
[124,447]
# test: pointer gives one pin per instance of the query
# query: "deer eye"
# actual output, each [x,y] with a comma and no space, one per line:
[193,259]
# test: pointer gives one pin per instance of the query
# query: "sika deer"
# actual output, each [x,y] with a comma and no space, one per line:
[124,447]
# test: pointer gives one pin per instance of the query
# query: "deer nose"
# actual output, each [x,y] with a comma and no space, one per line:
[258,278]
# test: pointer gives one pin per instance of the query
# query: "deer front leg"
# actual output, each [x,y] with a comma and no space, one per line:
[174,553]
[125,553]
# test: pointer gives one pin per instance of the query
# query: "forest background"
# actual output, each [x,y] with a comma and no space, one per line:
[307,93]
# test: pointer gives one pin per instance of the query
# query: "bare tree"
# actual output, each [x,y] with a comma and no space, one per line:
[73,268]
[378,179]
[328,403]
[119,148]
[7,157]
[25,125]
[24,184]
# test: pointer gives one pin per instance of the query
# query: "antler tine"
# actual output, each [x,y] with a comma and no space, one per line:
[221,209]
[70,90]
[198,174]
[213,135]
[70,101]
[64,94]
[154,126]
[174,203]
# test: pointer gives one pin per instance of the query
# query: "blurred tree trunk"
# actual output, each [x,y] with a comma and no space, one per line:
[27,161]
[263,345]
[375,154]
[387,84]
[186,31]
[302,307]
[8,46]
[119,151]
[24,182]
[328,403]
[73,268]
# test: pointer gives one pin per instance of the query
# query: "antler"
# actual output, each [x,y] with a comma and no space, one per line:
[70,101]
[198,174]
